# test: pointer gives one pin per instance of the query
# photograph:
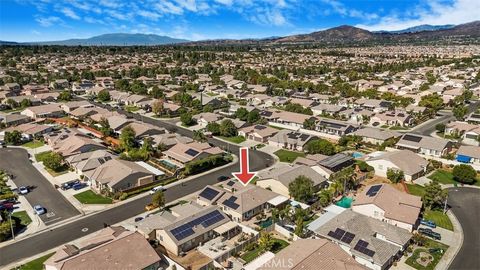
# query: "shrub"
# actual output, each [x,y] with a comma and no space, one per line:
[464,174]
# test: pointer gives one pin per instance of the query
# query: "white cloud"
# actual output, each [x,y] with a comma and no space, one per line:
[269,17]
[341,9]
[48,21]
[168,8]
[149,14]
[70,13]
[435,13]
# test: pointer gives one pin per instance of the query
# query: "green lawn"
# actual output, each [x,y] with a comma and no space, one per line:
[416,190]
[23,216]
[60,171]
[36,264]
[90,197]
[235,139]
[439,218]
[398,128]
[33,144]
[131,108]
[446,177]
[278,245]
[41,156]
[288,156]
[436,256]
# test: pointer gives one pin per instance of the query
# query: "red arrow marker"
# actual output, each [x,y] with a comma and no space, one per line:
[244,176]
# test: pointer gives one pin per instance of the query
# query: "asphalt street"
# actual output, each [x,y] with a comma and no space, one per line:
[429,128]
[465,204]
[81,227]
[16,162]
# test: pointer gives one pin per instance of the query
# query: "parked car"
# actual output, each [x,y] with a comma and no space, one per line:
[428,223]
[156,189]
[70,184]
[39,210]
[6,206]
[222,178]
[78,186]
[23,190]
[10,200]
[430,233]
[137,219]
[290,228]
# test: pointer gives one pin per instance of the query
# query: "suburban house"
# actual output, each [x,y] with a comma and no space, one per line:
[474,118]
[371,242]
[376,136]
[186,227]
[392,118]
[118,122]
[30,130]
[327,109]
[144,129]
[118,175]
[204,118]
[258,133]
[288,119]
[88,161]
[111,247]
[135,100]
[310,160]
[468,132]
[335,127]
[82,86]
[311,254]
[74,143]
[412,165]
[468,154]
[386,203]
[425,145]
[278,179]
[375,105]
[184,153]
[43,111]
[333,164]
[168,140]
[14,119]
[291,140]
[72,105]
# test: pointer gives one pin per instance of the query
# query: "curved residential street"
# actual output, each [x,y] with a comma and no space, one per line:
[50,239]
[465,204]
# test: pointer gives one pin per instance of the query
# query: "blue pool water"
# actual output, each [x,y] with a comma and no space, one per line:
[345,202]
[357,155]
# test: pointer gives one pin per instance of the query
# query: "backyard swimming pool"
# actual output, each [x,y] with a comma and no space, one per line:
[345,202]
[357,155]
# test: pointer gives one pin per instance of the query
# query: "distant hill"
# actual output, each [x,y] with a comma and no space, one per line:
[117,39]
[348,34]
[419,28]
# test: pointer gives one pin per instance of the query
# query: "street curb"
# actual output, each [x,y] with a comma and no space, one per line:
[456,226]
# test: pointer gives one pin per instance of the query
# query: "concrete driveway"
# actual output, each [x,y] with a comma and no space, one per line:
[16,162]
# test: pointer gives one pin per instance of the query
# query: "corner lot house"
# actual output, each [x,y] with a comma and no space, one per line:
[278,179]
[385,203]
[312,254]
[425,145]
[184,153]
[111,248]
[371,242]
[412,165]
[375,135]
[117,175]
[258,133]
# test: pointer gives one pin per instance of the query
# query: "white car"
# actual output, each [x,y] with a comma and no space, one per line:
[23,190]
[156,189]
[39,210]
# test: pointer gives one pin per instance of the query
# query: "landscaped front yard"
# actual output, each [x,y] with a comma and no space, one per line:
[40,157]
[430,259]
[33,144]
[416,190]
[90,197]
[235,139]
[288,156]
[36,264]
[446,177]
[131,108]
[23,216]
[278,244]
[439,218]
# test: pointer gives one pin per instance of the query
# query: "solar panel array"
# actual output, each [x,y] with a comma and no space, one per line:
[361,247]
[208,193]
[342,235]
[373,190]
[207,220]
[191,152]
[412,138]
[231,183]
[231,202]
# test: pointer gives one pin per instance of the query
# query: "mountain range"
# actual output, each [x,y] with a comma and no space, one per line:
[344,34]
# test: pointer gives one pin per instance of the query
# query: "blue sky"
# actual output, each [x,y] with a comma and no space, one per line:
[45,20]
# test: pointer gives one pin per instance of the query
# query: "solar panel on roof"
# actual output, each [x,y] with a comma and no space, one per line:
[260,127]
[338,234]
[208,193]
[373,190]
[361,247]
[231,202]
[412,138]
[231,183]
[191,152]
[206,220]
[348,237]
